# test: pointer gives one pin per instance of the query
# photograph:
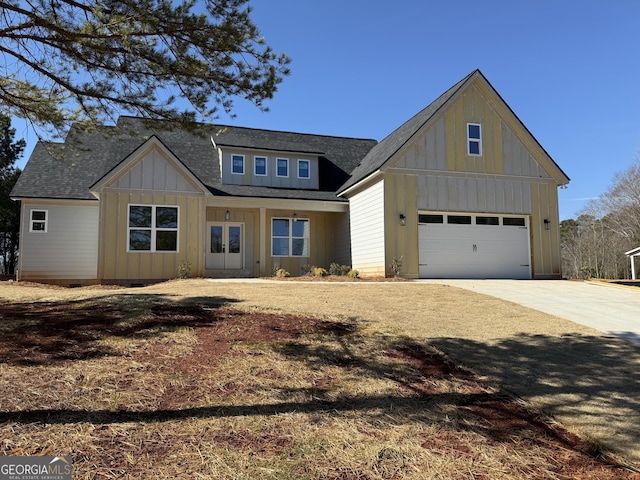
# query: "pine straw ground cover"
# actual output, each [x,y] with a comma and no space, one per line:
[138,384]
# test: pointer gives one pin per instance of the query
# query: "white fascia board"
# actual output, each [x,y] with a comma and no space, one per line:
[55,201]
[278,203]
[370,179]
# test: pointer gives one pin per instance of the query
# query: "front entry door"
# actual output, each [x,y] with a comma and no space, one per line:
[224,246]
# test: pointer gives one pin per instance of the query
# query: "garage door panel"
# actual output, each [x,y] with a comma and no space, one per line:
[473,251]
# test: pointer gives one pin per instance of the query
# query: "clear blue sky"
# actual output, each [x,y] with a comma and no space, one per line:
[569,69]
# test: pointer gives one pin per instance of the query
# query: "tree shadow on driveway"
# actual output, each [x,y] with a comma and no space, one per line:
[588,382]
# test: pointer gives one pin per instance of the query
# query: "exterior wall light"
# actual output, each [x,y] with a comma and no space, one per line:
[403,219]
[227,215]
[547,224]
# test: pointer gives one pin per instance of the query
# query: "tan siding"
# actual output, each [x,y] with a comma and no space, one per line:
[474,107]
[249,218]
[518,159]
[118,264]
[342,242]
[545,243]
[322,243]
[153,172]
[401,241]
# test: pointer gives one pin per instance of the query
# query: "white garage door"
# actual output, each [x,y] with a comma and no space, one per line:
[474,246]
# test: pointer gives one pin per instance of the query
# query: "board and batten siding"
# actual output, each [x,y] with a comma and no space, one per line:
[153,172]
[67,251]
[153,177]
[271,179]
[512,176]
[321,241]
[490,194]
[368,230]
[119,265]
[342,246]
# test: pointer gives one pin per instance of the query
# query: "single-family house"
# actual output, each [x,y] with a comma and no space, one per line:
[461,190]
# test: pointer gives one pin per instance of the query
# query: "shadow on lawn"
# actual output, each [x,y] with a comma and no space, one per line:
[593,381]
[420,372]
[38,333]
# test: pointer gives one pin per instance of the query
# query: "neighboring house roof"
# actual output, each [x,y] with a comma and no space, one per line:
[379,155]
[67,170]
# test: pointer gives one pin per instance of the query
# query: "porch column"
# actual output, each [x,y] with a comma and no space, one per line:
[633,266]
[263,242]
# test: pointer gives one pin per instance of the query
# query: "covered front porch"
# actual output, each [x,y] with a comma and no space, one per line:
[254,237]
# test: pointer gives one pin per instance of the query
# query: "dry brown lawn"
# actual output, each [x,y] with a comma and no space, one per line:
[311,380]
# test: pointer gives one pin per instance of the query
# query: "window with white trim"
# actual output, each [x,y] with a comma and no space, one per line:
[152,228]
[237,164]
[304,169]
[282,167]
[38,221]
[260,166]
[474,139]
[290,237]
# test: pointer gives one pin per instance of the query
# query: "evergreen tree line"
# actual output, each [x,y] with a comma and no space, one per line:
[593,245]
[10,151]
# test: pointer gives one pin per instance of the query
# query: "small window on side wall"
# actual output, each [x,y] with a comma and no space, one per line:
[474,139]
[38,221]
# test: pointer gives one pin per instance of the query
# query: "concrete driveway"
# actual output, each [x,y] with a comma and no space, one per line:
[610,309]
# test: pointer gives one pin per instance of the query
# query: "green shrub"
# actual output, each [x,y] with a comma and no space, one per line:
[184,269]
[587,272]
[353,273]
[337,269]
[275,268]
[320,272]
[396,266]
[282,273]
[308,270]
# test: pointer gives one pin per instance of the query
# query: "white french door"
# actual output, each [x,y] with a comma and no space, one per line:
[225,246]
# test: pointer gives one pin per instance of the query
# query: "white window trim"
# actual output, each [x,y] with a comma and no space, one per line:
[32,221]
[291,237]
[475,140]
[266,166]
[233,156]
[277,173]
[153,228]
[308,162]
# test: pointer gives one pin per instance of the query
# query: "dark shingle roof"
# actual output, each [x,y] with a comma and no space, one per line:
[379,155]
[384,150]
[66,171]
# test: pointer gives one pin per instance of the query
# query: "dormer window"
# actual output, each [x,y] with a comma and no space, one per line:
[282,167]
[303,169]
[237,164]
[260,166]
[474,139]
